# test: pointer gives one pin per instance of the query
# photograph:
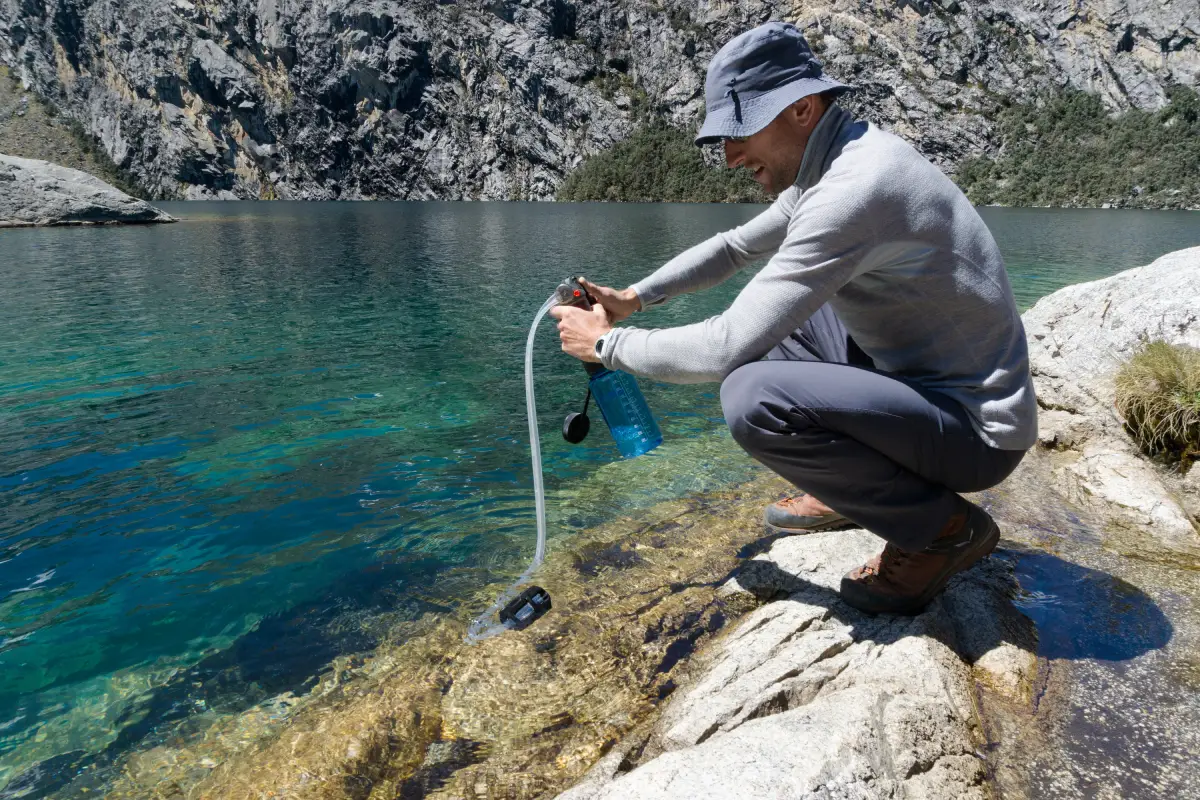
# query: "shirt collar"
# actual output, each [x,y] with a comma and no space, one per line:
[822,147]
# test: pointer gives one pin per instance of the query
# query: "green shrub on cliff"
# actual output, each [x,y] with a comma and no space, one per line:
[657,163]
[1158,394]
[1068,151]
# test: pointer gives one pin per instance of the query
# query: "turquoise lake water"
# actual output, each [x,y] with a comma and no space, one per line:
[235,440]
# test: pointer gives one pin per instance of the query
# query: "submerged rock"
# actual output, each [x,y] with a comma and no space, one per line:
[36,192]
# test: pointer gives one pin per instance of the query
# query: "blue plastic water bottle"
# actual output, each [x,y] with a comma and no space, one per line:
[621,402]
[624,408]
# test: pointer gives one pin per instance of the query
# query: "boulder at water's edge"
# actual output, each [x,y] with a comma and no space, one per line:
[36,192]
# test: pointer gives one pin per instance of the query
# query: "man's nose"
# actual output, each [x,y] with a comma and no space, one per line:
[734,155]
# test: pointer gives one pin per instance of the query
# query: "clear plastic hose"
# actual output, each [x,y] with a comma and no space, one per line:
[487,624]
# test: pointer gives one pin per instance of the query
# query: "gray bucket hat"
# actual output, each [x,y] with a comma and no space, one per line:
[756,76]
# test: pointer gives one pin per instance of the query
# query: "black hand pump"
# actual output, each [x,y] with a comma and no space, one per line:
[577,424]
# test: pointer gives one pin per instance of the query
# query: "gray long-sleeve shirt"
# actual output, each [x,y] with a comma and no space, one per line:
[877,231]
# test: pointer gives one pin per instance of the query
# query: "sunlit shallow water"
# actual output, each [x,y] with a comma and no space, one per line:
[1117,612]
[274,434]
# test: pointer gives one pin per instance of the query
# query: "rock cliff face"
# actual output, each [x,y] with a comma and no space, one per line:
[500,98]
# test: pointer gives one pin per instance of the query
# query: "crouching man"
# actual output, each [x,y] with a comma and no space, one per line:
[877,361]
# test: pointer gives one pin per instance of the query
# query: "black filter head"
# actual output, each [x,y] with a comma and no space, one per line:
[571,293]
[527,607]
[575,427]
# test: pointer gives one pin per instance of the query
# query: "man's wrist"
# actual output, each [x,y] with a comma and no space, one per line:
[631,296]
[598,347]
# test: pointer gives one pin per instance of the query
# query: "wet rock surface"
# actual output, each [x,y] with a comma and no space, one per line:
[500,99]
[1117,617]
[1119,625]
[36,192]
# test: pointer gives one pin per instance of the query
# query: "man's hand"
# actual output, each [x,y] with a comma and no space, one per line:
[620,303]
[579,329]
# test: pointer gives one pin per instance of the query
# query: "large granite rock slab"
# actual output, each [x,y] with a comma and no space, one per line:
[36,192]
[811,698]
[1079,335]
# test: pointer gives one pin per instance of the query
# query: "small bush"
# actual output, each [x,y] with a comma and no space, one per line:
[1158,393]
[657,163]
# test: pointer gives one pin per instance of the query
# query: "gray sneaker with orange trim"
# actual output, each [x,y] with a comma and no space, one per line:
[803,513]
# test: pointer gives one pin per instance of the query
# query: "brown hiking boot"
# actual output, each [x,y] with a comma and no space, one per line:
[803,513]
[899,582]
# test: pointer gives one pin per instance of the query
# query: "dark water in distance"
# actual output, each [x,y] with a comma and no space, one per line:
[267,405]
[1046,249]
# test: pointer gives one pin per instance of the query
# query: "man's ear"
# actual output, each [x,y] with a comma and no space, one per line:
[810,110]
[806,111]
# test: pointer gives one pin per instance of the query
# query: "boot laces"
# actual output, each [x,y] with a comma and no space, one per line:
[893,559]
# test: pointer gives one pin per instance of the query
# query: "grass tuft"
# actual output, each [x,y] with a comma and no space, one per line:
[1158,394]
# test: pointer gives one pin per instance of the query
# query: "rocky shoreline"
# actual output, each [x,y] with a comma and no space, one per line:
[688,656]
[808,698]
[40,193]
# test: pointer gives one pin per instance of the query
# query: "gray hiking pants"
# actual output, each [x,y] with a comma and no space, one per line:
[879,449]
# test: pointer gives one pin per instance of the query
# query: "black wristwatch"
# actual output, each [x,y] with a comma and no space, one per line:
[600,345]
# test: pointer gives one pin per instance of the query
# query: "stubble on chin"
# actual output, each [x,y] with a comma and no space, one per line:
[777,189]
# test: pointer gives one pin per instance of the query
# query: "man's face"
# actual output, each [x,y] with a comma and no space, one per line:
[774,154]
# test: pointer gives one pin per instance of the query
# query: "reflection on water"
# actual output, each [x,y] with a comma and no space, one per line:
[239,448]
[1047,249]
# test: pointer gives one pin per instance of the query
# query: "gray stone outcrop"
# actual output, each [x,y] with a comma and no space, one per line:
[1078,336]
[36,192]
[807,698]
[810,698]
[501,98]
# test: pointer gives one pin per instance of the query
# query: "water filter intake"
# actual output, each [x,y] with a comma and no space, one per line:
[621,402]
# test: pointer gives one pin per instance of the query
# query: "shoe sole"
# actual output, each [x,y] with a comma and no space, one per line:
[872,604]
[824,522]
[840,523]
